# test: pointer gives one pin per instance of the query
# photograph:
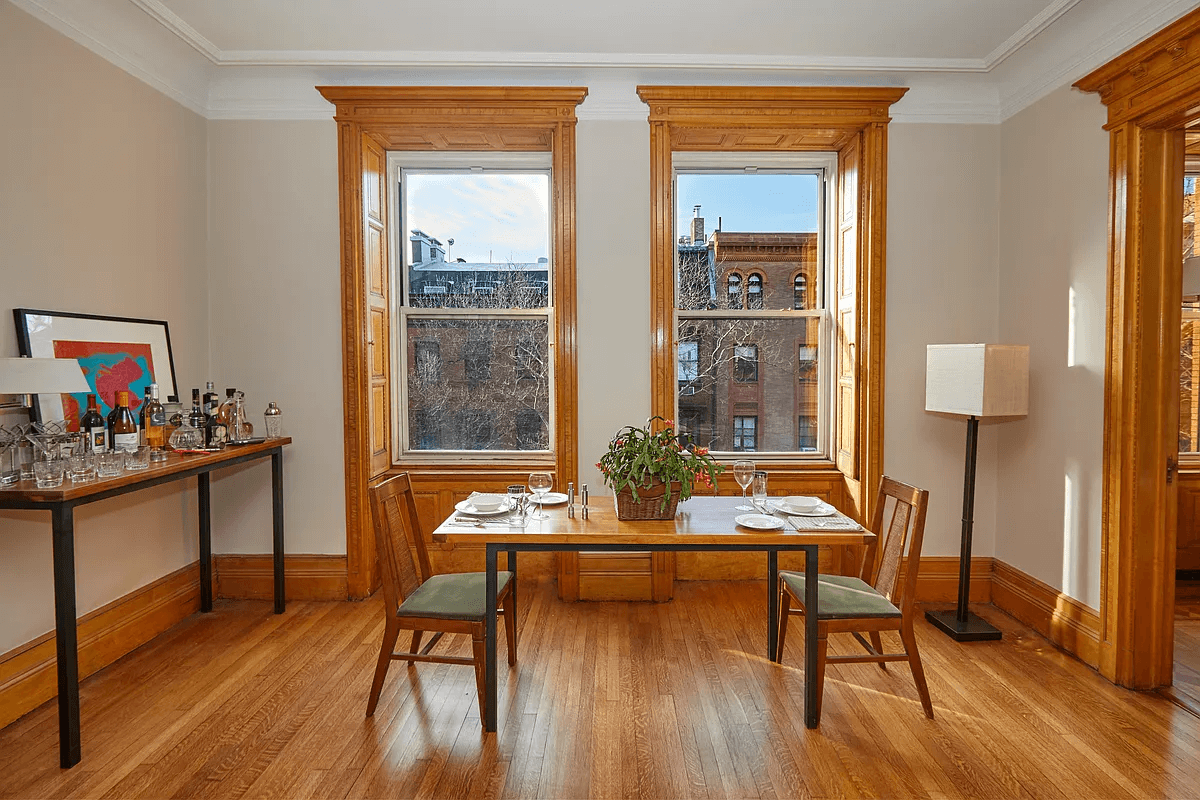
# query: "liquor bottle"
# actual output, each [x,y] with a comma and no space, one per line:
[215,434]
[122,426]
[93,426]
[153,422]
[196,417]
[224,411]
[210,400]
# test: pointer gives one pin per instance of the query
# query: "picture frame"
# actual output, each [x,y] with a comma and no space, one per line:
[115,354]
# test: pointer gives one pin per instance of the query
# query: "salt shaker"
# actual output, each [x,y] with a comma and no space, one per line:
[571,499]
[274,420]
[584,498]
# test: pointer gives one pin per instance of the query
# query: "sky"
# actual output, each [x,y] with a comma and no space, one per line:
[492,217]
[505,217]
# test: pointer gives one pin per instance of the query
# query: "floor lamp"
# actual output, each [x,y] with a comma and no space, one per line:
[973,380]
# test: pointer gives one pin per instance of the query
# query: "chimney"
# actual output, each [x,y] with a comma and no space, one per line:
[697,226]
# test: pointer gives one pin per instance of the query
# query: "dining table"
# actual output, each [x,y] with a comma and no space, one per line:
[700,524]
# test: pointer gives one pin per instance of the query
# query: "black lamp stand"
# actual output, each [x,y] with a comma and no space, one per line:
[960,624]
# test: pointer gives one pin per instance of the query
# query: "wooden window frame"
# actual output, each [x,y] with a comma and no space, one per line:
[371,121]
[851,121]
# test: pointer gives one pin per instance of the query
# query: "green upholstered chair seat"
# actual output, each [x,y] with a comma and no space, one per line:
[843,597]
[453,596]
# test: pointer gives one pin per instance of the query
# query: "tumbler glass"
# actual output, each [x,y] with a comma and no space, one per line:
[138,458]
[758,488]
[110,464]
[48,472]
[82,467]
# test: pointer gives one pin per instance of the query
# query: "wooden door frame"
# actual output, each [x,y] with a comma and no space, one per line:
[451,118]
[1152,92]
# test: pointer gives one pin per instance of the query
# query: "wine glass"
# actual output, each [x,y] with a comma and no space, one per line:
[539,484]
[743,473]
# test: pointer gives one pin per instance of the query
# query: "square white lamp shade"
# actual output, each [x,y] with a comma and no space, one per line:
[980,380]
[41,376]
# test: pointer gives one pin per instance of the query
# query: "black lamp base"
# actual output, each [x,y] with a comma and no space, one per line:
[973,629]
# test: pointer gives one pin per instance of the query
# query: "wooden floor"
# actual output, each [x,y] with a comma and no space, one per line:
[607,700]
[1185,687]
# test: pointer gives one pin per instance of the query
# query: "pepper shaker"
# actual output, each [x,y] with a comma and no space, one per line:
[571,499]
[583,495]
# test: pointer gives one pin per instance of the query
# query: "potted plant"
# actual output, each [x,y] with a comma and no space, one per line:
[650,471]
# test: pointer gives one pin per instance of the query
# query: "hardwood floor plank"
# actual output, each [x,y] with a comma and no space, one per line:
[634,700]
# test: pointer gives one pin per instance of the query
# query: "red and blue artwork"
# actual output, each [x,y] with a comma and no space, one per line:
[109,367]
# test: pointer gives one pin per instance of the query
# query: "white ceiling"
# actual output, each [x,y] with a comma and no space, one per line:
[964,60]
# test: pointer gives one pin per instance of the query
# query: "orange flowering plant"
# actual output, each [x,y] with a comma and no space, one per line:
[636,457]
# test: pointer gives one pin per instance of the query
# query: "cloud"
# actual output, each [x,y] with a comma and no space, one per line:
[501,216]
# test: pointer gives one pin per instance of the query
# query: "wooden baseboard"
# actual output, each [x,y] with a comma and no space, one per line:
[252,577]
[938,579]
[28,675]
[1068,623]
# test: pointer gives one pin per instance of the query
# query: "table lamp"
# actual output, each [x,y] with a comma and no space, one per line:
[30,376]
[973,380]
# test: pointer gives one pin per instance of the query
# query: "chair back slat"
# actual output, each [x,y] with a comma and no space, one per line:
[394,515]
[899,523]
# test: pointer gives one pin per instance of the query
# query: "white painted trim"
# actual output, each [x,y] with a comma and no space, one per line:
[176,25]
[1115,41]
[136,67]
[1029,30]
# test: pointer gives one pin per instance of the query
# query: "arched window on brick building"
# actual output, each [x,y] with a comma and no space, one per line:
[754,290]
[800,292]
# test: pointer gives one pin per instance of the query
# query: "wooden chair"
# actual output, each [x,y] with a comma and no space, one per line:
[875,601]
[451,603]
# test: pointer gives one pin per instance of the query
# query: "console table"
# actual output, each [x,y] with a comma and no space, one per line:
[61,503]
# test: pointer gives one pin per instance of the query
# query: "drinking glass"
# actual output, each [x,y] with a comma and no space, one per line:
[48,472]
[110,463]
[539,484]
[138,458]
[759,490]
[81,467]
[743,473]
[516,496]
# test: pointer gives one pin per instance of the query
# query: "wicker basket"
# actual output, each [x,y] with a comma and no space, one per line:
[649,504]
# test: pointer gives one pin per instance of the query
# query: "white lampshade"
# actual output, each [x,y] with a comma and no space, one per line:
[41,376]
[980,380]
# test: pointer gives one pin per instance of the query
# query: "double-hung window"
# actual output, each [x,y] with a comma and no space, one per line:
[750,294]
[475,308]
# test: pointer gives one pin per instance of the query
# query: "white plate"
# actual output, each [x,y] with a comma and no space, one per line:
[759,522]
[823,510]
[550,499]
[466,508]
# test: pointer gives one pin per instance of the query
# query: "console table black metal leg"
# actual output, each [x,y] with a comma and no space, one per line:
[489,634]
[772,603]
[203,498]
[65,638]
[277,523]
[512,567]
[812,710]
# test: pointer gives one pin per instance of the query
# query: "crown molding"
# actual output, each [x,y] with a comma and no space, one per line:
[176,25]
[1029,30]
[1116,40]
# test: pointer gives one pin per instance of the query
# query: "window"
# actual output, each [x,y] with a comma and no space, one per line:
[493,299]
[689,365]
[744,433]
[734,290]
[773,229]
[1189,334]
[800,293]
[745,363]
[754,291]
[806,438]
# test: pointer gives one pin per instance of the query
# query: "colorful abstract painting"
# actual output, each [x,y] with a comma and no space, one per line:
[109,367]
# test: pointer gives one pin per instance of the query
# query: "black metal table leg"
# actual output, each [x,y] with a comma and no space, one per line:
[277,522]
[772,604]
[203,501]
[489,677]
[512,567]
[812,713]
[65,635]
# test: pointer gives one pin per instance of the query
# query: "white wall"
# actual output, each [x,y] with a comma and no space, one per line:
[1053,221]
[274,269]
[613,246]
[102,210]
[943,195]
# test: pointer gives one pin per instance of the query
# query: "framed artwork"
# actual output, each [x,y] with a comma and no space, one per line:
[116,354]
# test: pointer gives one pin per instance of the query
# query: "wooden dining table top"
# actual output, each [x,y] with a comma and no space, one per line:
[698,521]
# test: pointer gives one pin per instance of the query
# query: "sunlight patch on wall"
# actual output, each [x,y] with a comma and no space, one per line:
[1071,329]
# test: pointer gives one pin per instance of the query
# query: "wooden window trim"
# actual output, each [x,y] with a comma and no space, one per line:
[1152,92]
[373,119]
[786,119]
